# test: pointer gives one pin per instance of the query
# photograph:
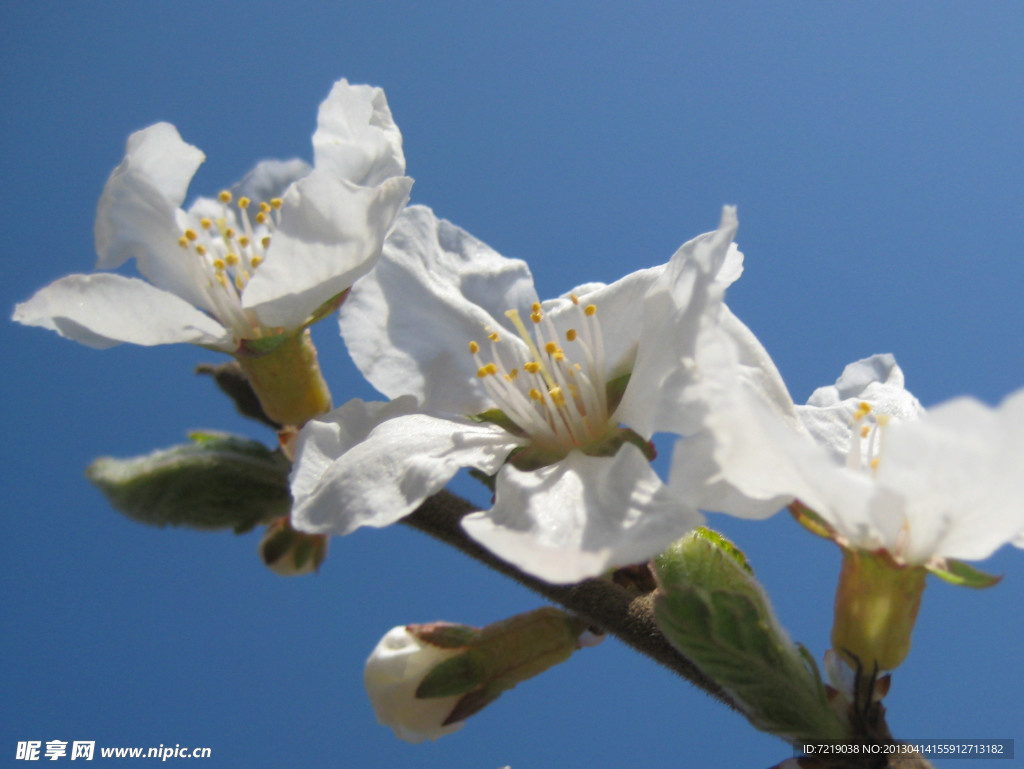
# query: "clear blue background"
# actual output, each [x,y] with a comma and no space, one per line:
[875,152]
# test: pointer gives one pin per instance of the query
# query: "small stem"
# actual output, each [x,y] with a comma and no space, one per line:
[627,615]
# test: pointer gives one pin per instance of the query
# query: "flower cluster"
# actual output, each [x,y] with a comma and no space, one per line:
[554,403]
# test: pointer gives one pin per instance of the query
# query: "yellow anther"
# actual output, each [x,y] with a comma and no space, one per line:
[590,310]
[575,299]
[874,463]
[231,259]
[191,234]
[201,249]
[206,223]
[570,335]
[265,207]
[481,372]
[183,241]
[244,202]
[225,197]
[532,366]
[222,280]
[493,336]
[474,348]
[265,242]
[865,431]
[557,396]
[261,217]
[229,233]
[536,395]
[218,265]
[512,375]
[536,317]
[255,262]
[535,307]
[551,348]
[276,203]
[239,283]
[243,241]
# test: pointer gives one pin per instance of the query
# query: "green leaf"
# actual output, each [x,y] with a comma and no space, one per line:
[713,611]
[960,573]
[218,481]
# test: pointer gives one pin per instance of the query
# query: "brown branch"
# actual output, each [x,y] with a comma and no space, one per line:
[626,614]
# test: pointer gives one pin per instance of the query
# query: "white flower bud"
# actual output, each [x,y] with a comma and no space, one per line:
[393,672]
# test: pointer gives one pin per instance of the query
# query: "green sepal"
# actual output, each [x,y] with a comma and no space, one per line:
[327,308]
[487,480]
[454,676]
[614,389]
[531,457]
[713,611]
[811,521]
[610,447]
[960,573]
[470,704]
[499,418]
[444,635]
[218,481]
[264,345]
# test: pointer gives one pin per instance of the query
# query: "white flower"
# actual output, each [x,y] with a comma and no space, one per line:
[880,471]
[392,675]
[261,258]
[557,398]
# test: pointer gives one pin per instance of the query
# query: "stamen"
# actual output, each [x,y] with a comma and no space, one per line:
[562,403]
[225,197]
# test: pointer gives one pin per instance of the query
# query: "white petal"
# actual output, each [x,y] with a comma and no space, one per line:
[961,470]
[373,464]
[659,395]
[408,323]
[878,381]
[581,516]
[269,179]
[356,138]
[136,215]
[330,234]
[104,309]
[393,672]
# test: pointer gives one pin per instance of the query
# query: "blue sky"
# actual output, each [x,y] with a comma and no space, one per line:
[874,151]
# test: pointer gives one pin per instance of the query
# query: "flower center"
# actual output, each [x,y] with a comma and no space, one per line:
[556,395]
[227,249]
[867,439]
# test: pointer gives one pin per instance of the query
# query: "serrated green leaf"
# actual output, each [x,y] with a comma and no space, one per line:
[218,481]
[713,611]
